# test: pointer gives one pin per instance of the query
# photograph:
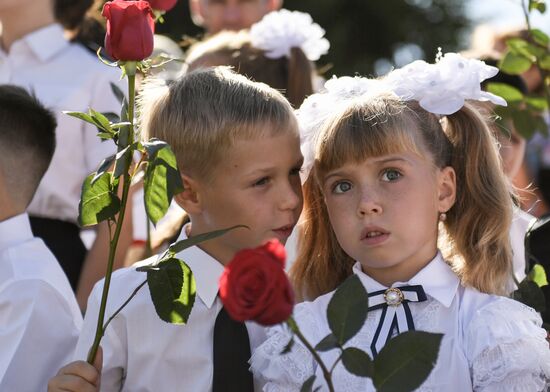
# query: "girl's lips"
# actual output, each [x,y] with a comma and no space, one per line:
[375,239]
[374,235]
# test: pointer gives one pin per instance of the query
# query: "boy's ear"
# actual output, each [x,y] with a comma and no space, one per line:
[447,189]
[189,199]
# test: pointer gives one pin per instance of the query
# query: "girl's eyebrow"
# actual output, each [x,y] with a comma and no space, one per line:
[378,161]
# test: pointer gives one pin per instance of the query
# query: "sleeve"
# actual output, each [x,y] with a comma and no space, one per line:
[507,349]
[113,343]
[286,372]
[38,334]
[102,100]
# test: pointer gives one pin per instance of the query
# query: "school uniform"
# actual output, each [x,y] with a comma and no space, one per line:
[490,343]
[143,353]
[521,221]
[39,317]
[64,76]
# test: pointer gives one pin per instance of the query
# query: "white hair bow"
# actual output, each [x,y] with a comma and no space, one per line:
[280,31]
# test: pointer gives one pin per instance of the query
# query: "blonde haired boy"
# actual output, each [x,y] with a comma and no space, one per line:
[237,147]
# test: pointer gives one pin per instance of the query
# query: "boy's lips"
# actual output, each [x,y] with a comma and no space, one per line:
[284,232]
[374,235]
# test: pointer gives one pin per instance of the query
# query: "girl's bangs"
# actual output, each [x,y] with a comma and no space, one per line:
[366,131]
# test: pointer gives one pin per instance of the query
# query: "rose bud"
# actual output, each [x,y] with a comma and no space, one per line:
[254,285]
[130,29]
[162,5]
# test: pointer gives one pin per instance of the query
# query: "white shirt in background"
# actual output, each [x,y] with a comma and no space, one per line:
[39,317]
[143,353]
[64,76]
[490,343]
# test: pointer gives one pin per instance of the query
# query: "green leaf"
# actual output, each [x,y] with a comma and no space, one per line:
[307,386]
[328,343]
[117,92]
[172,287]
[153,146]
[523,48]
[537,103]
[124,131]
[538,275]
[101,121]
[82,116]
[179,246]
[406,361]
[357,362]
[527,124]
[514,64]
[509,93]
[123,161]
[545,62]
[347,309]
[105,135]
[98,201]
[539,5]
[120,124]
[103,167]
[540,37]
[162,181]
[530,294]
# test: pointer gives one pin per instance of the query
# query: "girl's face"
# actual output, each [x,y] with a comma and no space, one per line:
[385,211]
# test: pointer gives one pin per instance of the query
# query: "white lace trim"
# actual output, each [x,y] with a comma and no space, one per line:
[284,372]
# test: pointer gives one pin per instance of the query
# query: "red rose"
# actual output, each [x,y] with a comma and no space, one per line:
[254,285]
[162,5]
[130,29]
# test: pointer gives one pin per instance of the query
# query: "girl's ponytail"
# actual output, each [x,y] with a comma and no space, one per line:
[299,81]
[479,223]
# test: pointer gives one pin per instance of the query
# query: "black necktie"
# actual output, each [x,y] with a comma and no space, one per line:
[231,355]
[396,314]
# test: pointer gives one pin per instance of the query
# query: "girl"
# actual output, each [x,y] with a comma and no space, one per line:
[389,175]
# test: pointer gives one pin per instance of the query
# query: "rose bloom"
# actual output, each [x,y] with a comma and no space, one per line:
[130,29]
[254,285]
[162,5]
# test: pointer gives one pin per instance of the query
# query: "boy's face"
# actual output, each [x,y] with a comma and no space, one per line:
[256,184]
[217,15]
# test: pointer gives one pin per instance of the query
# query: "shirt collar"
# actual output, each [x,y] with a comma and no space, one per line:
[14,231]
[437,278]
[45,42]
[206,270]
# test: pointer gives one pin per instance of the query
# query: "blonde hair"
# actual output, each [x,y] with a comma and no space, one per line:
[202,113]
[475,234]
[293,76]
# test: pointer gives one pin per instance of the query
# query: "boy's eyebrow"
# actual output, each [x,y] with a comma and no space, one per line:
[299,162]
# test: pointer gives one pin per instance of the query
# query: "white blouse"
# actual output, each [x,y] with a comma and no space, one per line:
[490,343]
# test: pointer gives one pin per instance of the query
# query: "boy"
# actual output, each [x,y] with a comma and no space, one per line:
[39,316]
[237,147]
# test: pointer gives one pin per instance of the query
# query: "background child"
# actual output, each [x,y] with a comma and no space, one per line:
[35,54]
[237,146]
[387,173]
[39,316]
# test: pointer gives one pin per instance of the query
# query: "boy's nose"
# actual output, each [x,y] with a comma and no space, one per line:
[291,197]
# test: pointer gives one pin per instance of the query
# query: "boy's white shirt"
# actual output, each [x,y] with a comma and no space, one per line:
[39,318]
[521,221]
[490,343]
[143,353]
[64,76]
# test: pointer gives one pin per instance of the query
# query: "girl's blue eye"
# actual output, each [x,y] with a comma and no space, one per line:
[391,175]
[341,187]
